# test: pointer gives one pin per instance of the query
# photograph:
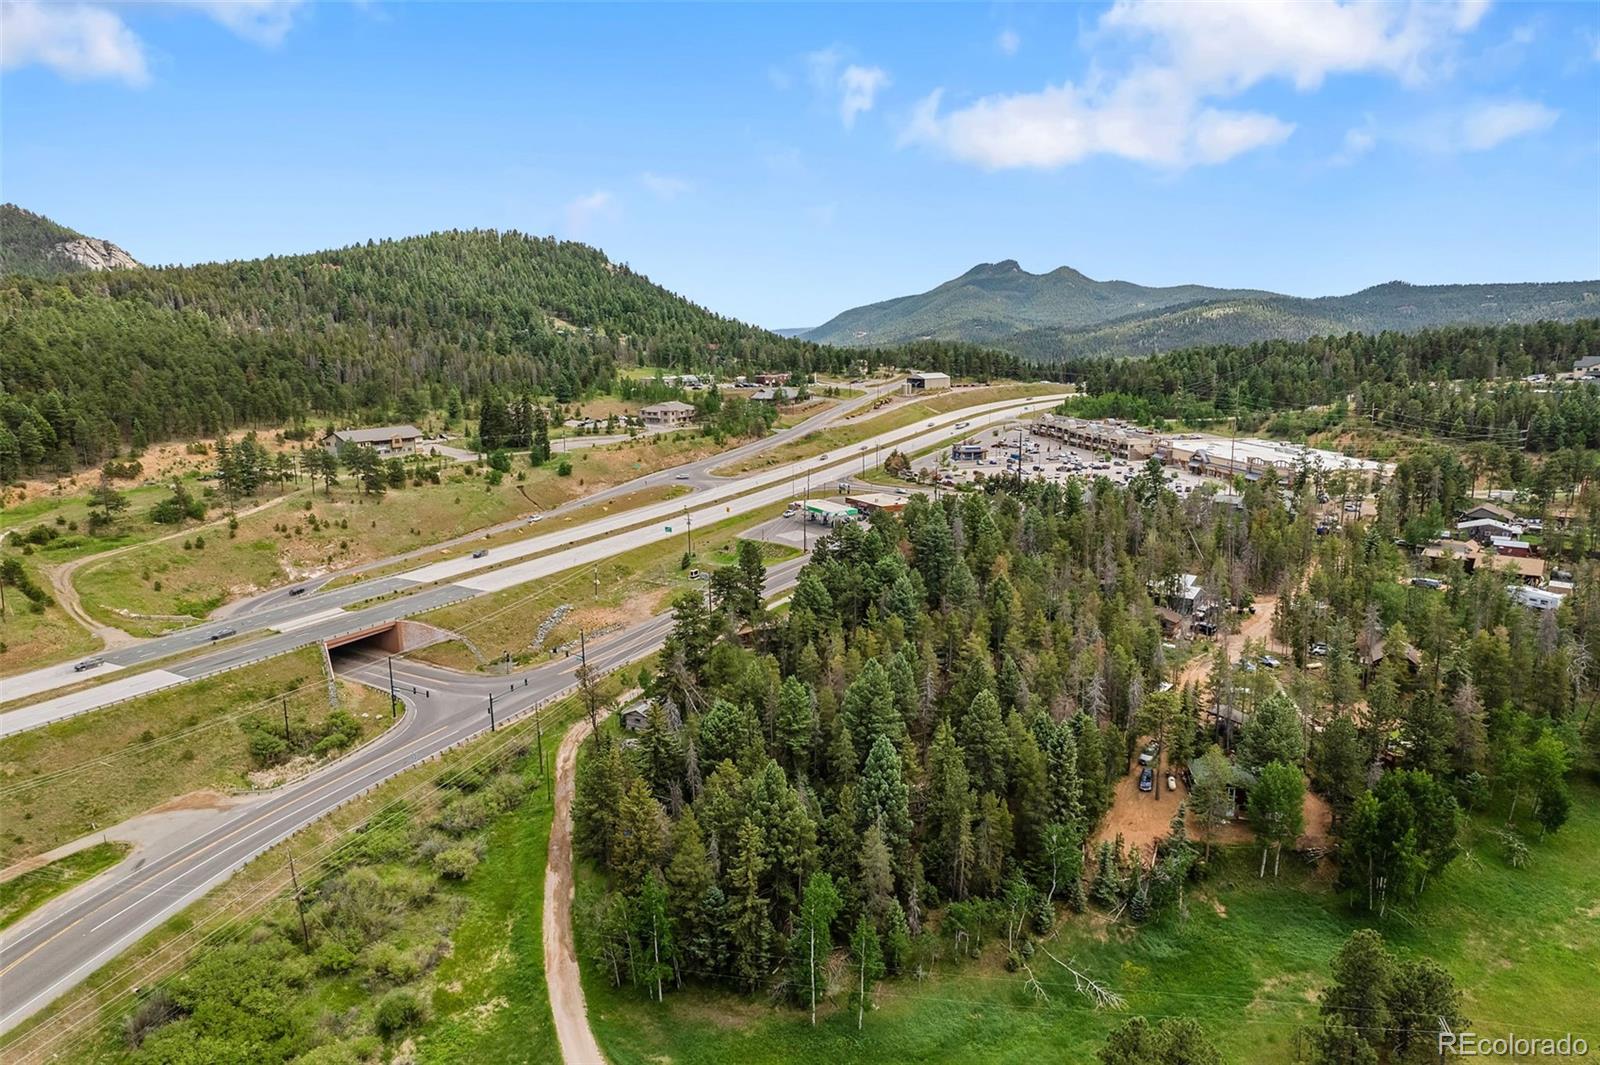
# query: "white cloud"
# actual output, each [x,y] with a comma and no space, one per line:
[1162,108]
[665,186]
[599,204]
[855,87]
[82,41]
[1490,125]
[1358,141]
[77,41]
[858,91]
[262,21]
[1008,42]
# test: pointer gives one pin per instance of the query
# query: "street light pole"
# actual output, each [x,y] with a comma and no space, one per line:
[391,687]
[491,711]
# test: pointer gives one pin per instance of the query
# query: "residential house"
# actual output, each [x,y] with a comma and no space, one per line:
[1485,529]
[1489,510]
[385,439]
[670,414]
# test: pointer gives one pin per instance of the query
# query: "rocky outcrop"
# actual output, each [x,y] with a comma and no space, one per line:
[91,253]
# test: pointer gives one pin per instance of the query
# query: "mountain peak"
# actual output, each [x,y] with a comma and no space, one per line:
[33,244]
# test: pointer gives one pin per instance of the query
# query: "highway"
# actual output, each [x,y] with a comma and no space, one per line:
[317,616]
[272,608]
[59,945]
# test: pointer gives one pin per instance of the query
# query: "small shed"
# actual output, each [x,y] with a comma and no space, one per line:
[634,718]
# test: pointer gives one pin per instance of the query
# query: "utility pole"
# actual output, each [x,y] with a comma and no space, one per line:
[597,580]
[285,719]
[688,529]
[300,904]
[391,688]
[584,680]
[491,711]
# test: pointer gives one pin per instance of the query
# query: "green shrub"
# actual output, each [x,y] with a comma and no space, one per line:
[334,957]
[398,1011]
[455,863]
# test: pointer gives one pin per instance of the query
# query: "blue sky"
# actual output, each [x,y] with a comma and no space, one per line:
[781,164]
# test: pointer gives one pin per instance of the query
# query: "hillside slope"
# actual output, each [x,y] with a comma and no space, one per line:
[1393,307]
[995,300]
[373,332]
[1063,314]
[33,244]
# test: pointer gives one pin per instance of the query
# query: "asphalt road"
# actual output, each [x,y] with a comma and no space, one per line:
[273,608]
[317,616]
[59,945]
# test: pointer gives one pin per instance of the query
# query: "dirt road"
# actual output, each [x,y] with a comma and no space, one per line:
[1143,817]
[578,1046]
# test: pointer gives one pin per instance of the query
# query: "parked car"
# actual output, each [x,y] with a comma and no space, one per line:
[1147,779]
[695,575]
[1352,508]
[1427,582]
[1271,661]
[480,552]
[1149,753]
[87,664]
[1172,782]
[1205,628]
[1319,649]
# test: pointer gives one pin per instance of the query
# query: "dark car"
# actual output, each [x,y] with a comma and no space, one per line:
[1147,779]
[223,634]
[480,552]
[297,591]
[88,663]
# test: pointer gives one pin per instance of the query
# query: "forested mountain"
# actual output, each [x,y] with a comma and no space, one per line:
[33,244]
[1395,306]
[994,300]
[388,328]
[1064,315]
[1465,383]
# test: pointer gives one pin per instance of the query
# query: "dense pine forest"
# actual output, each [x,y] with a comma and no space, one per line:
[1463,382]
[923,748]
[97,362]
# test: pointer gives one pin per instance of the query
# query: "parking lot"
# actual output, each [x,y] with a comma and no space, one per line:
[1046,458]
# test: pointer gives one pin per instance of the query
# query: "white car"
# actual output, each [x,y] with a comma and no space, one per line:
[536,519]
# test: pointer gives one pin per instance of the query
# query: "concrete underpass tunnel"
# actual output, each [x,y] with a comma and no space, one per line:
[377,642]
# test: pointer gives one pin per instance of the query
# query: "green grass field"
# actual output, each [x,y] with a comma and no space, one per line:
[632,586]
[26,892]
[1523,946]
[485,994]
[97,769]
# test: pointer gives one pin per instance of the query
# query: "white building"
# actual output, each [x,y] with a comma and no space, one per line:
[928,381]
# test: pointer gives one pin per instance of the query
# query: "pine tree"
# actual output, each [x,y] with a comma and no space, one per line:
[749,921]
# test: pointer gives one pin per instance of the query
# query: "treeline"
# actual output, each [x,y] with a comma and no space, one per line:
[916,757]
[1396,380]
[936,724]
[96,362]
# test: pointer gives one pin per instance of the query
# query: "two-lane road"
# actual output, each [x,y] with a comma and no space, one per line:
[58,946]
